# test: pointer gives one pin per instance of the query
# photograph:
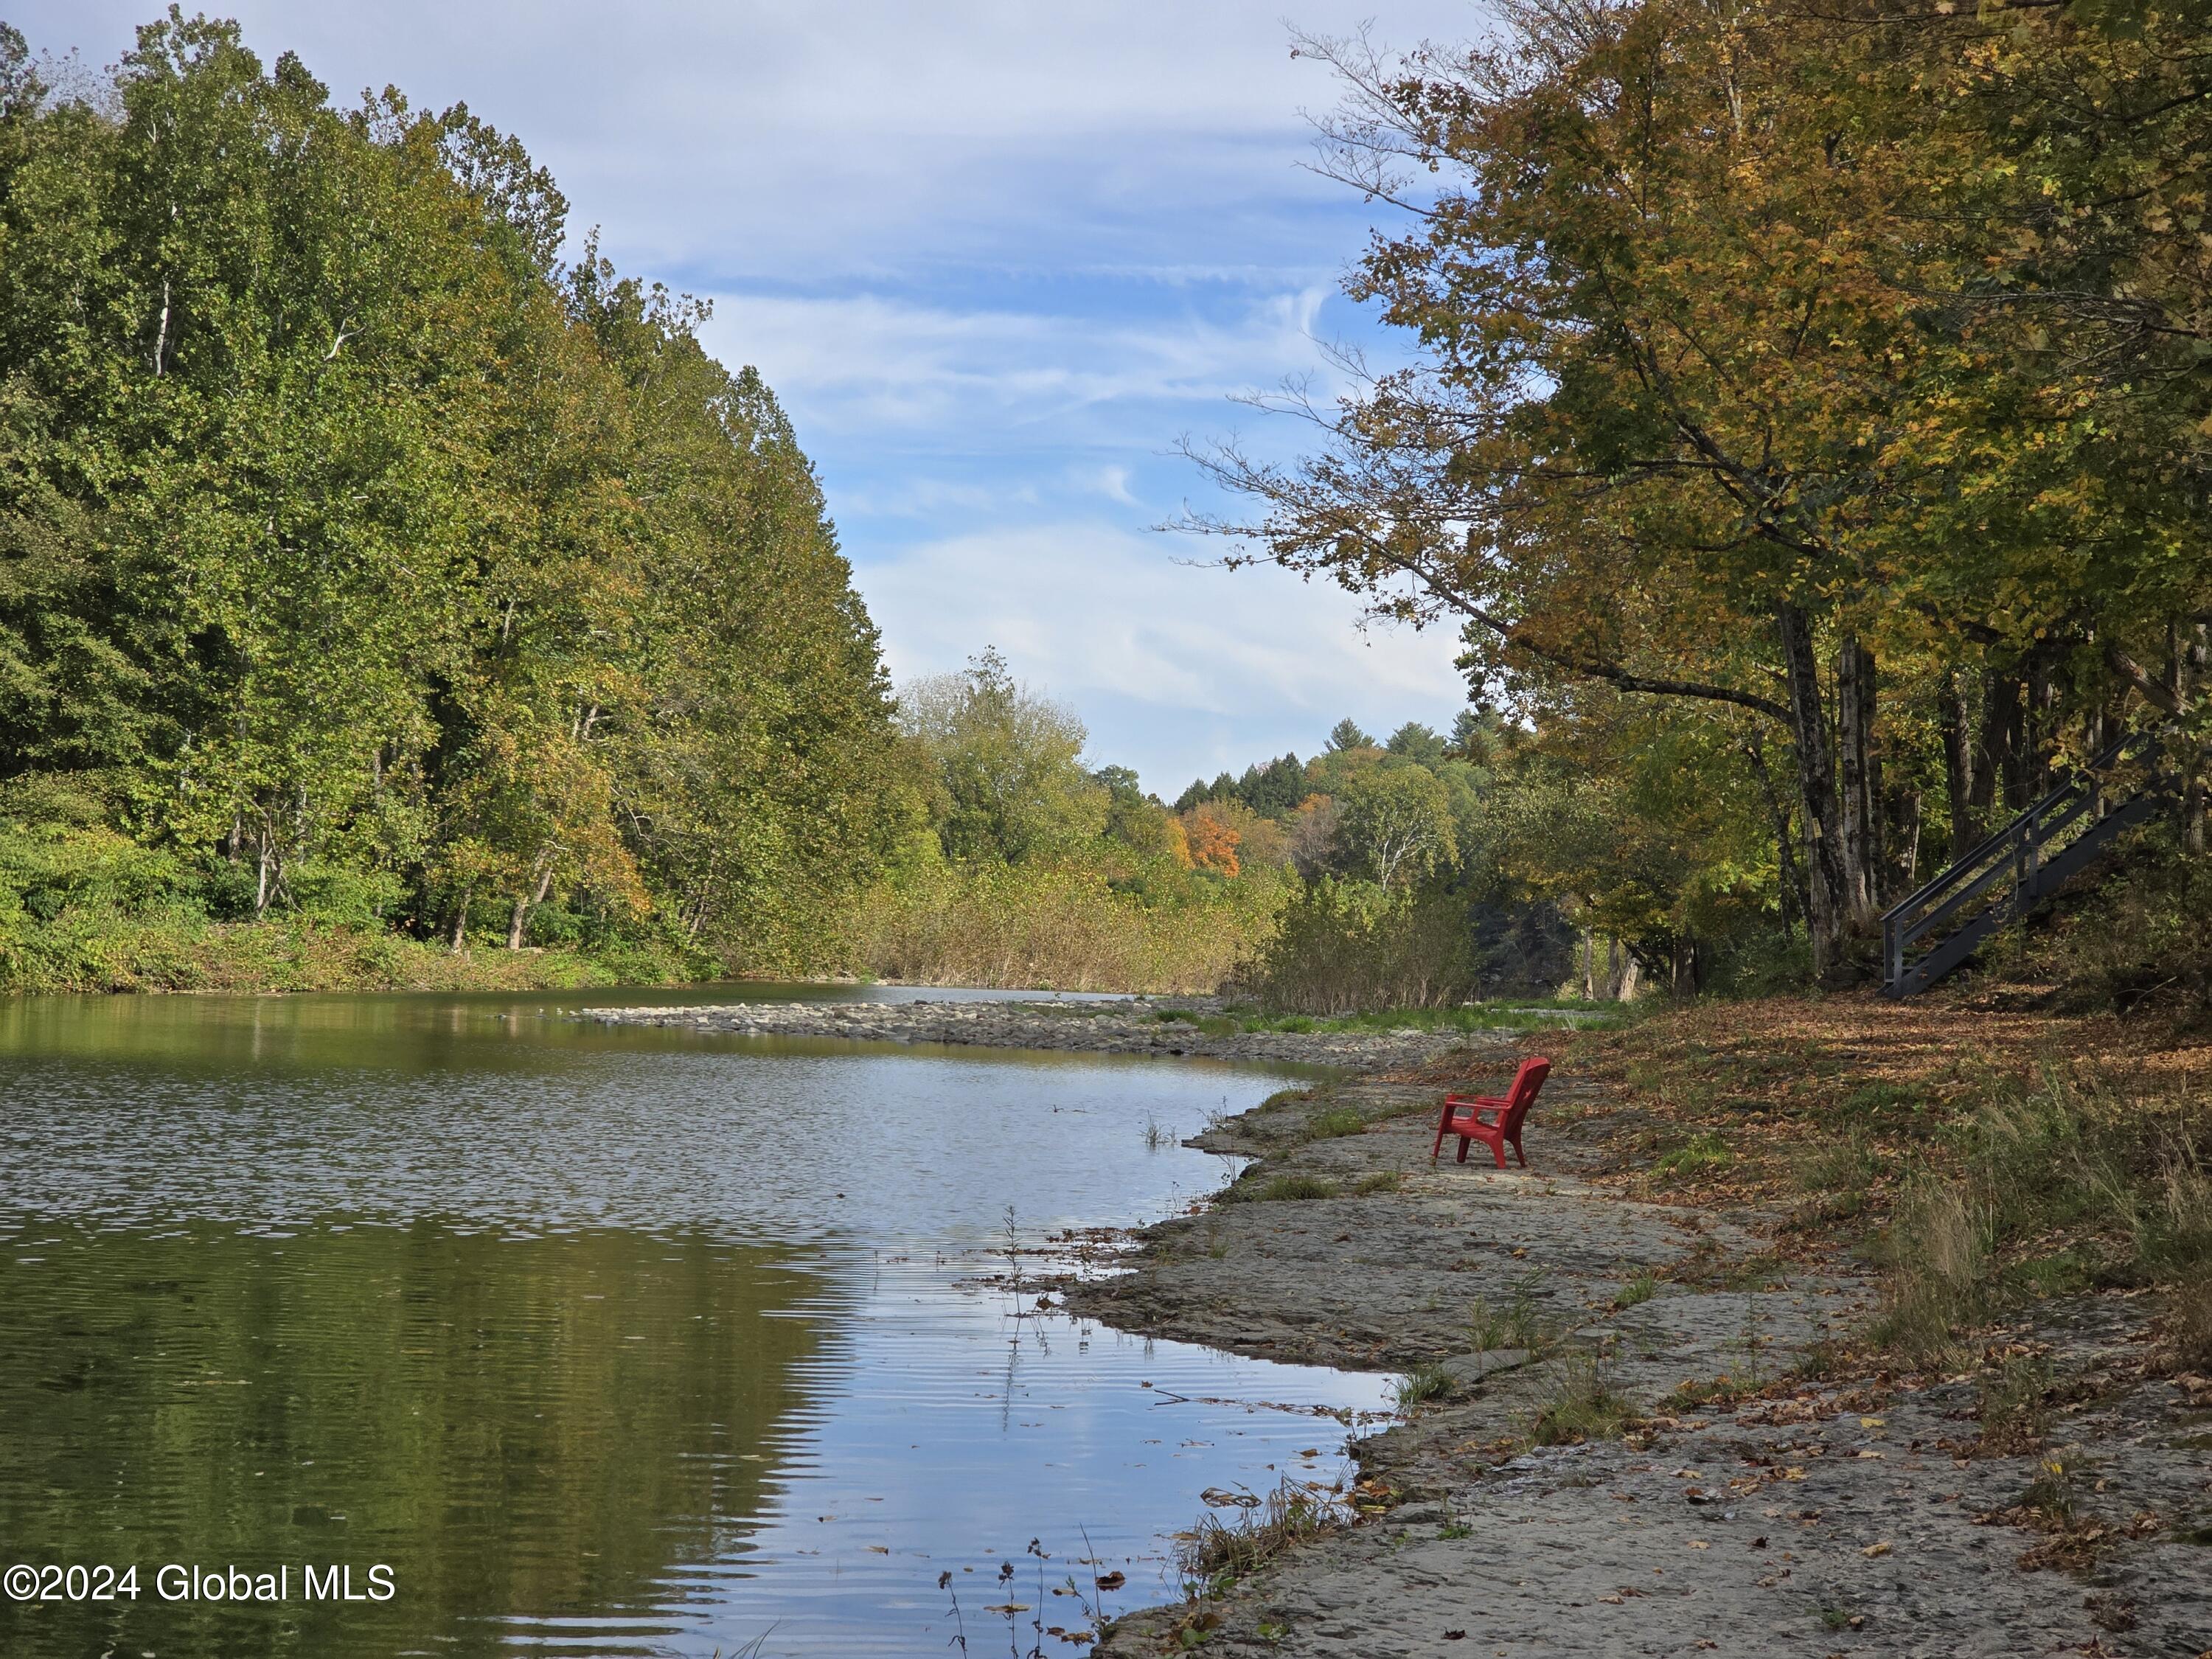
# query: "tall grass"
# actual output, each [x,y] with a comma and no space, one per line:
[2067,1183]
[1067,928]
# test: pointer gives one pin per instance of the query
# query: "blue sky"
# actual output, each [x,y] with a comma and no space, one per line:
[995,258]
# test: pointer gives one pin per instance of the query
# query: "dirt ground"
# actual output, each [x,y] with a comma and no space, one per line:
[1813,1504]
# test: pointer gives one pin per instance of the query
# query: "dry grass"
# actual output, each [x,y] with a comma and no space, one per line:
[1067,929]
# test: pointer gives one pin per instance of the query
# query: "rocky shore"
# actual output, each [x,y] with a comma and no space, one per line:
[1796,1511]
[1180,1026]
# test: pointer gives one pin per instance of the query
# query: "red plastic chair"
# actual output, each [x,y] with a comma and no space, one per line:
[1464,1115]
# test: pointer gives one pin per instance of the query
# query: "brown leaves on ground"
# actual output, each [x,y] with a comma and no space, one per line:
[1809,1104]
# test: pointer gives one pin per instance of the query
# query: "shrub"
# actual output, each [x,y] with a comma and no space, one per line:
[1344,945]
[1064,926]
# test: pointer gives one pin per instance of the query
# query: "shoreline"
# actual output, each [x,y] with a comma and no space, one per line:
[1166,1027]
[1762,1496]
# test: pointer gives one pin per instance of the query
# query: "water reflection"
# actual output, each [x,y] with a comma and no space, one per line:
[608,1341]
[548,1424]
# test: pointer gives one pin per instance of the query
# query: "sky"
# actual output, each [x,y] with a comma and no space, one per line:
[995,259]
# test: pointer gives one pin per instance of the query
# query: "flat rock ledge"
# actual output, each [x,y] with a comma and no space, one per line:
[1139,1026]
[1837,1521]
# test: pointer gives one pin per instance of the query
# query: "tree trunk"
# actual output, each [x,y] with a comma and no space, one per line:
[519,919]
[1862,783]
[1785,852]
[1959,769]
[2002,760]
[1902,837]
[2197,660]
[461,921]
[1826,890]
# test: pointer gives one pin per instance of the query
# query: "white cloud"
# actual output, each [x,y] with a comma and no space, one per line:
[877,363]
[1180,670]
[761,139]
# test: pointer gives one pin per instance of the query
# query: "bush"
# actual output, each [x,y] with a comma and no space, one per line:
[1341,946]
[1065,926]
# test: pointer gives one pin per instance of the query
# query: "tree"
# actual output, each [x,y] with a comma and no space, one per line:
[1007,762]
[1395,824]
[347,540]
[1346,734]
[1415,742]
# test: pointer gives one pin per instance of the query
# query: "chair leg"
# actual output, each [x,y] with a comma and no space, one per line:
[1462,1149]
[1518,1153]
[1437,1151]
[1497,1151]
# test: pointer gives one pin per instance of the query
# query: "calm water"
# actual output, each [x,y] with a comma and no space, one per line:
[602,1342]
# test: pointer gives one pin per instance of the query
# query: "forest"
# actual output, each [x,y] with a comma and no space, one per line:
[1804,418]
[368,573]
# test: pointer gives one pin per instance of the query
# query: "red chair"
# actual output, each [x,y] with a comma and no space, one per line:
[1463,1115]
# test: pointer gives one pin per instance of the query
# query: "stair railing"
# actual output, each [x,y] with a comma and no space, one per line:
[2024,856]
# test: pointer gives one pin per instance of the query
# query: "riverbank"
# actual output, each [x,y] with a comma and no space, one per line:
[1654,1418]
[104,954]
[1184,1027]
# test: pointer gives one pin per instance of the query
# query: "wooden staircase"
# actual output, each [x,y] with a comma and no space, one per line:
[2010,873]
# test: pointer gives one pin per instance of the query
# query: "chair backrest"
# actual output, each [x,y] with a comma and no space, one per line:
[1526,1082]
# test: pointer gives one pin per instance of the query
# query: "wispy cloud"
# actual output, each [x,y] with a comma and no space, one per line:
[1187,669]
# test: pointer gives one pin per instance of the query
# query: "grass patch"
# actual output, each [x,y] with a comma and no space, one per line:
[1383,1181]
[1423,1383]
[1837,1177]
[2118,1182]
[1701,1152]
[1215,1553]
[2188,1327]
[1521,1324]
[1337,1121]
[1637,1291]
[2013,1406]
[1582,1406]
[1291,1187]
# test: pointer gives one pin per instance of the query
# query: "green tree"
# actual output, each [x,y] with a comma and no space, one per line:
[1395,825]
[1007,765]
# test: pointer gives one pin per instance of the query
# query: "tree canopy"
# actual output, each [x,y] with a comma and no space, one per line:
[356,552]
[1833,381]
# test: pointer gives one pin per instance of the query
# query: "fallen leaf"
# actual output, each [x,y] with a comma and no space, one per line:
[1873,1550]
[1699,1544]
[1869,1422]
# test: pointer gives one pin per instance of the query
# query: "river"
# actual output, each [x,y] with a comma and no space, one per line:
[596,1340]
